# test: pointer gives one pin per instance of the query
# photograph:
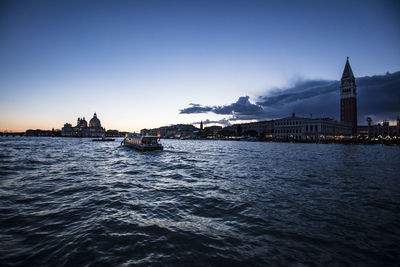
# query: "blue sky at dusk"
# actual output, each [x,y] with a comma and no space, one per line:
[138,64]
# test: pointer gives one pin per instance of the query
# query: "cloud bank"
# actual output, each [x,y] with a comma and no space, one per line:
[377,96]
[223,121]
[242,107]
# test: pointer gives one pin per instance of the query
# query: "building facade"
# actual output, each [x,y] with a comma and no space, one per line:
[83,130]
[264,129]
[348,98]
[380,130]
[173,131]
[308,129]
[210,131]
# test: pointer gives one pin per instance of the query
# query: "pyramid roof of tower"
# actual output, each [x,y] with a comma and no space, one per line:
[347,72]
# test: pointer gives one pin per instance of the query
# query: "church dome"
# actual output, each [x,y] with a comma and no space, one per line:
[95,122]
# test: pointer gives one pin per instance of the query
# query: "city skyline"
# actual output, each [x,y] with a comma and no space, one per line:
[148,64]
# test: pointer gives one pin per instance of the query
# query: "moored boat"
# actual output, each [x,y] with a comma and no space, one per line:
[142,143]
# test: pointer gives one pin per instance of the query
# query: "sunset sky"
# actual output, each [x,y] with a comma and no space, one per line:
[142,64]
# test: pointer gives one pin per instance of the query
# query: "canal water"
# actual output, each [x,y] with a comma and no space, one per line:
[69,202]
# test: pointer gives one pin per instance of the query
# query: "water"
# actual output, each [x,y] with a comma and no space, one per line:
[76,202]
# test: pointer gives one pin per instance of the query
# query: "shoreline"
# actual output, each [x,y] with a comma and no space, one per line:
[393,142]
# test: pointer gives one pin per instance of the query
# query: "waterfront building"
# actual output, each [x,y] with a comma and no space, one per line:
[150,132]
[398,126]
[113,133]
[379,130]
[289,128]
[309,129]
[82,123]
[348,98]
[39,132]
[173,131]
[263,129]
[82,129]
[211,131]
[68,130]
[326,129]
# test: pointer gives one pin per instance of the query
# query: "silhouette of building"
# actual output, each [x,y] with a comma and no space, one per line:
[348,97]
[82,130]
[211,131]
[113,133]
[173,131]
[201,129]
[38,132]
[94,122]
[380,130]
[82,123]
[309,129]
[263,129]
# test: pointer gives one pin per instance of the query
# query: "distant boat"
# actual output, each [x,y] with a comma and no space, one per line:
[103,139]
[142,143]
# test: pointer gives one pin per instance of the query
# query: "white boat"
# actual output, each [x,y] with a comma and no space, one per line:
[142,143]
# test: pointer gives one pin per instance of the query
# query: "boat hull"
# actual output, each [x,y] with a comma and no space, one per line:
[141,147]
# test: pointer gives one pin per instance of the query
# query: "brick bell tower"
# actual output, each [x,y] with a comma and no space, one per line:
[348,97]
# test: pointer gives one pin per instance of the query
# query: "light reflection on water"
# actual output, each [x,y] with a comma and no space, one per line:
[72,201]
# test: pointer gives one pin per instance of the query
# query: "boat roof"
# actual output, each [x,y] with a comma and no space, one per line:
[150,136]
[136,135]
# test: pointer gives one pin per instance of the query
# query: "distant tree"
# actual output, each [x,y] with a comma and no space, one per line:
[239,130]
[225,132]
[251,133]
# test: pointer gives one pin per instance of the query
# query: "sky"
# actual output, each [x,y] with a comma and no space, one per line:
[143,64]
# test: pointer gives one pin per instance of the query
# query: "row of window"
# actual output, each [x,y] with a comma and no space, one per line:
[288,123]
[288,131]
[310,128]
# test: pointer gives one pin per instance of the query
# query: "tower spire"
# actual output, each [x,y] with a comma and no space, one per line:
[347,72]
[348,97]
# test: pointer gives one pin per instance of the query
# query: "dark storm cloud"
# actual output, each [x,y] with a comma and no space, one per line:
[377,96]
[300,91]
[241,107]
[195,108]
[379,93]
[317,97]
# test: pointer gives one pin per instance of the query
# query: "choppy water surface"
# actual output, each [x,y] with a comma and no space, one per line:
[76,202]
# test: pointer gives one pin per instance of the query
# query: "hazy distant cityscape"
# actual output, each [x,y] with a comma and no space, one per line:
[292,128]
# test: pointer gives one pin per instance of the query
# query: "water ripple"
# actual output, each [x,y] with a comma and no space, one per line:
[76,202]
